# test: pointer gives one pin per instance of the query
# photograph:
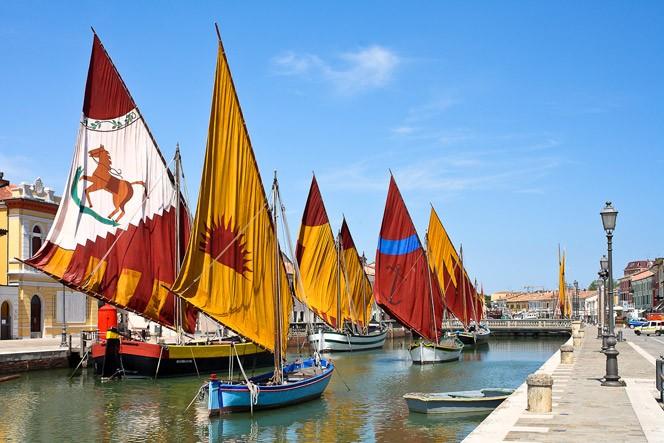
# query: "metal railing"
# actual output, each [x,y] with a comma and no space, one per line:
[544,324]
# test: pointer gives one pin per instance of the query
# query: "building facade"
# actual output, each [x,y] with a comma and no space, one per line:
[32,305]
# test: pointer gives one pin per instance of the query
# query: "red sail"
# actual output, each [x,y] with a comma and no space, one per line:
[114,234]
[405,286]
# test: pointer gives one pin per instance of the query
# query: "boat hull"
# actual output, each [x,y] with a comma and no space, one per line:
[457,402]
[474,338]
[425,353]
[225,397]
[333,341]
[142,360]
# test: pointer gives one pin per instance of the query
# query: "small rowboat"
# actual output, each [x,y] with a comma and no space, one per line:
[456,402]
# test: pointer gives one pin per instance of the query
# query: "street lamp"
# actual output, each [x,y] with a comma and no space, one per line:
[603,274]
[63,338]
[576,300]
[609,215]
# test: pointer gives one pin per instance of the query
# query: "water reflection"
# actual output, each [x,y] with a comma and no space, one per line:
[46,406]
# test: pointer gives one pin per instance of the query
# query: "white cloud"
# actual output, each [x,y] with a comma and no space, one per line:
[365,69]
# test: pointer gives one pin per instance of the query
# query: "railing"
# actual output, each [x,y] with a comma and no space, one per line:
[541,324]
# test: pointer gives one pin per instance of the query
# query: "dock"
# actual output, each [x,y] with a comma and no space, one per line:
[583,410]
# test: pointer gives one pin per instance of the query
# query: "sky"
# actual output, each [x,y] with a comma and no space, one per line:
[516,120]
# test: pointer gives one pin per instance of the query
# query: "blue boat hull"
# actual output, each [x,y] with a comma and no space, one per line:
[235,397]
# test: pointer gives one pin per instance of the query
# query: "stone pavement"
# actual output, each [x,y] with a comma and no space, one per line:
[583,410]
[29,345]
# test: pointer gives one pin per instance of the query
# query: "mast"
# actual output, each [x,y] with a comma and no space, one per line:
[277,293]
[338,248]
[178,300]
[363,261]
[433,310]
[463,288]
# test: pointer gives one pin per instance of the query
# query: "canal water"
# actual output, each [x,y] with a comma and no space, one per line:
[362,403]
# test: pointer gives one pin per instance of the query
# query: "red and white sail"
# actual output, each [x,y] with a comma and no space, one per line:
[114,234]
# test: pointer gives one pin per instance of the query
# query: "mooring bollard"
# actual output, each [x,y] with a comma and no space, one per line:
[576,326]
[566,354]
[576,341]
[540,387]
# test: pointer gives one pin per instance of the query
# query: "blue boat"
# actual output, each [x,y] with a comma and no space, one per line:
[302,381]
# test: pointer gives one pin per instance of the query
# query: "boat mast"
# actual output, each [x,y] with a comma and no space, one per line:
[278,379]
[463,289]
[363,260]
[433,309]
[178,300]
[338,248]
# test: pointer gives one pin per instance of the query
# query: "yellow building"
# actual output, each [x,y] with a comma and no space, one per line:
[33,305]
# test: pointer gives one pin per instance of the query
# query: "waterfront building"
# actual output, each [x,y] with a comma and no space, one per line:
[642,290]
[657,269]
[31,304]
[625,293]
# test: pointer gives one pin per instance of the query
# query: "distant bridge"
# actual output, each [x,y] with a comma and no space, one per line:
[520,327]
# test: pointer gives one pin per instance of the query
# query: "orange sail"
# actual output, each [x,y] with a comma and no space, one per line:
[358,287]
[322,281]
[232,270]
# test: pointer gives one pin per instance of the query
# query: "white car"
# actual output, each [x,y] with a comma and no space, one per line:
[652,327]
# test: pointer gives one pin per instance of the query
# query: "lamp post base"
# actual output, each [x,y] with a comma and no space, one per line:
[63,340]
[612,379]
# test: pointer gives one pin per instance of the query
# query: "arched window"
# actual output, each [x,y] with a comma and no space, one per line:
[36,241]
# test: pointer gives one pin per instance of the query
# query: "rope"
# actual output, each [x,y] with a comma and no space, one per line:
[195,397]
[254,390]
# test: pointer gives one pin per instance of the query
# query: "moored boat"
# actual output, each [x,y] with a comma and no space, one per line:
[424,352]
[141,359]
[334,285]
[483,400]
[302,381]
[233,269]
[327,340]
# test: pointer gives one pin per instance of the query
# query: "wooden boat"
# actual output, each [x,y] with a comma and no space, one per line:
[234,269]
[302,381]
[119,229]
[484,400]
[333,284]
[335,341]
[423,352]
[406,287]
[473,337]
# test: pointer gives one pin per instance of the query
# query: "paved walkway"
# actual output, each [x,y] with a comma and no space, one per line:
[583,410]
[29,345]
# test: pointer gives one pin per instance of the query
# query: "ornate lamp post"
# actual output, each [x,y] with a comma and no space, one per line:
[63,335]
[603,274]
[576,300]
[609,215]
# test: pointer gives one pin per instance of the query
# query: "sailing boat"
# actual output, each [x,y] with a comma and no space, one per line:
[333,284]
[406,288]
[459,295]
[118,231]
[233,269]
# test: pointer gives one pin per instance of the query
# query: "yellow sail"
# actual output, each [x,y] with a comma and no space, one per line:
[358,288]
[231,268]
[321,278]
[565,309]
[441,252]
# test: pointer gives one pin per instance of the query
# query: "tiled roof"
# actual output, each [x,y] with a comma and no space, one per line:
[642,275]
[6,192]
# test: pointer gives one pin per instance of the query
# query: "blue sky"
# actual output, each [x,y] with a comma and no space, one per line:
[517,120]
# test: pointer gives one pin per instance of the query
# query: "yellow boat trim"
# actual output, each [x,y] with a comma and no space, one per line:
[212,351]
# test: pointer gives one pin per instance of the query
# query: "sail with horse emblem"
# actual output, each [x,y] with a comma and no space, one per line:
[114,234]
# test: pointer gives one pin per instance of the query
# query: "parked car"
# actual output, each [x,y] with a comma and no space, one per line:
[634,322]
[652,327]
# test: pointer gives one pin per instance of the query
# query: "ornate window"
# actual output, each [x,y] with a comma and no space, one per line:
[36,240]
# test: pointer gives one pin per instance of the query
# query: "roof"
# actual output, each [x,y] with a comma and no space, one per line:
[642,275]
[6,192]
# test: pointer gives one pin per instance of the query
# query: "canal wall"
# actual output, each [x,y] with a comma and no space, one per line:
[33,360]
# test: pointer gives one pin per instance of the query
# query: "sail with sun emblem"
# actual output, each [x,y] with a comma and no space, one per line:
[114,234]
[230,269]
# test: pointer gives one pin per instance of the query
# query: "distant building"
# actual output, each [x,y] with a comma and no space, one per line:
[625,295]
[31,304]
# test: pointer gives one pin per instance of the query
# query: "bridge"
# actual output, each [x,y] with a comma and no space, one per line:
[520,327]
